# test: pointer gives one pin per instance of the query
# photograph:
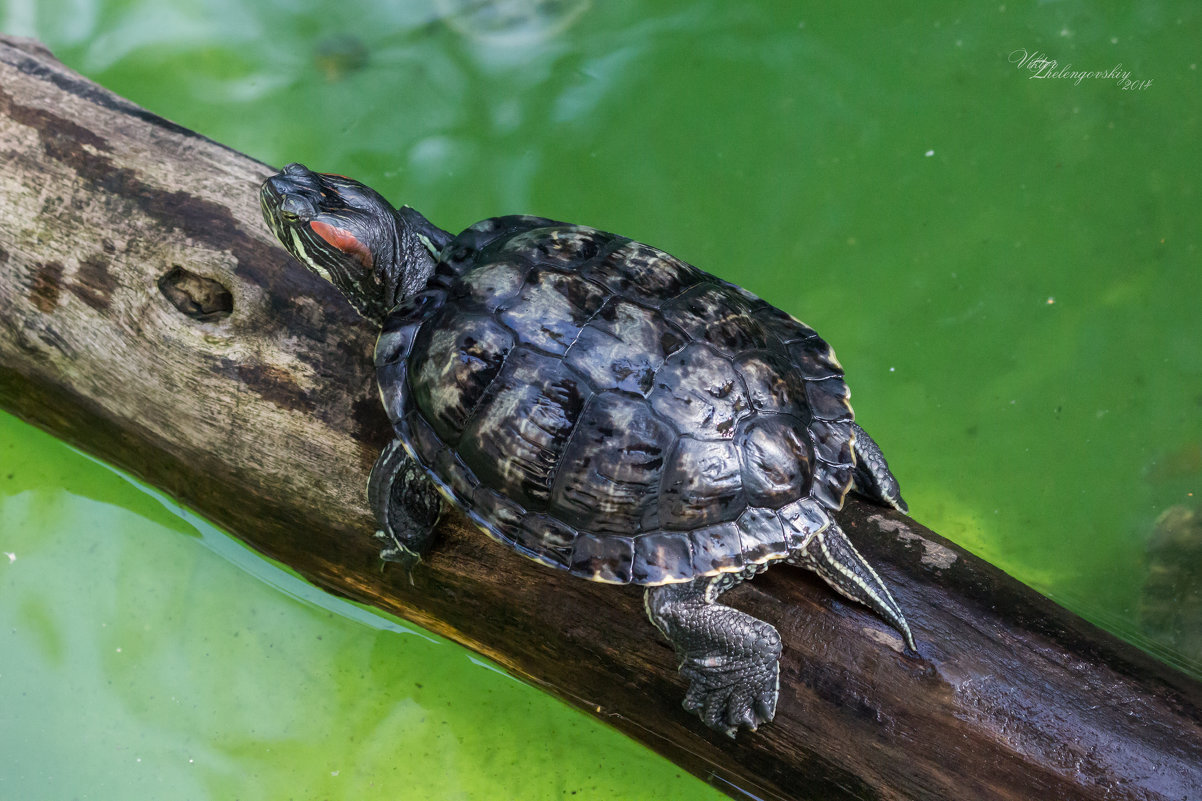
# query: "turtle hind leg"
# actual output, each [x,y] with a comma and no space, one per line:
[872,477]
[730,659]
[830,554]
[406,505]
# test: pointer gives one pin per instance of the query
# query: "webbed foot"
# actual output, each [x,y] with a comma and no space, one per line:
[727,692]
[730,659]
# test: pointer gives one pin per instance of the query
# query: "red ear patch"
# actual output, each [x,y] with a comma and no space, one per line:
[344,240]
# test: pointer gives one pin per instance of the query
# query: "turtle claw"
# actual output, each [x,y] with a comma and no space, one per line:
[737,693]
[395,551]
[767,708]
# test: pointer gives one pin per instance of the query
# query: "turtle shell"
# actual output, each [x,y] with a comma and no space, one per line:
[605,408]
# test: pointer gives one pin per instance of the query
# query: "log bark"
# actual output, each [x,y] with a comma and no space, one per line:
[147,317]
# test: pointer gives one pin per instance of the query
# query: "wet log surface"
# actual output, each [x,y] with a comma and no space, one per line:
[147,317]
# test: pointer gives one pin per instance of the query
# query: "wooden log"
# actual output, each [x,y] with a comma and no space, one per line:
[147,317]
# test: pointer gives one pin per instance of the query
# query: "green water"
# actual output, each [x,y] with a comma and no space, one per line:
[1008,267]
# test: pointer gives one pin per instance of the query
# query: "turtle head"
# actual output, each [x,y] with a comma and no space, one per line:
[348,234]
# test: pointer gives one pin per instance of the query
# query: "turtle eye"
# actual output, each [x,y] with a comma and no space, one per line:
[295,208]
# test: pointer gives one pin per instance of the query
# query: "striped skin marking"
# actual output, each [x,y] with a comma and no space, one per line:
[847,573]
[428,244]
[301,251]
[725,581]
[344,241]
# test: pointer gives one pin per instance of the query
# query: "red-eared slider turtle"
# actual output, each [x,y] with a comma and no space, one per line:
[602,408]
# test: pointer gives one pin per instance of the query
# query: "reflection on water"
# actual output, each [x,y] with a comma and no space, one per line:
[511,23]
[1170,610]
[339,55]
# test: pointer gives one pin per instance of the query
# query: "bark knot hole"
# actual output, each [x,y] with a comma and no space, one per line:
[200,298]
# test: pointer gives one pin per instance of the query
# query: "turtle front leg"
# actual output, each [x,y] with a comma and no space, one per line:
[730,659]
[406,505]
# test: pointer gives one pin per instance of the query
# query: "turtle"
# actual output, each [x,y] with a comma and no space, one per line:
[603,408]
[1170,603]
